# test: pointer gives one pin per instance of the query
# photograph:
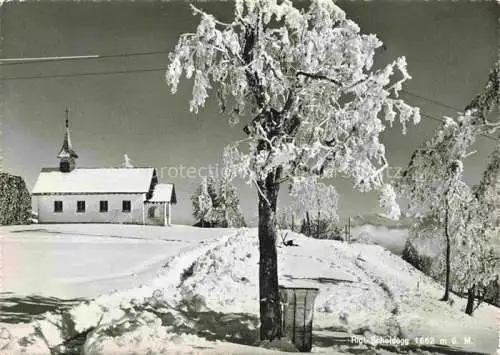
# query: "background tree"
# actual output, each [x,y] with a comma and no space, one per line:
[429,194]
[481,271]
[477,256]
[227,205]
[202,202]
[487,100]
[221,204]
[15,200]
[306,78]
[432,181]
[316,204]
[286,218]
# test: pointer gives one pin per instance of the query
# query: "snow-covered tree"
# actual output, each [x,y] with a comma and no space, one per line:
[433,191]
[221,204]
[202,202]
[127,162]
[316,204]
[487,100]
[316,103]
[286,218]
[227,205]
[315,197]
[477,255]
[432,181]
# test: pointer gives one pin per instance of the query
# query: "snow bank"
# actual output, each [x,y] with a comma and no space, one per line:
[88,315]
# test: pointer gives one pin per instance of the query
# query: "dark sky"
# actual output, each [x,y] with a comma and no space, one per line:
[449,46]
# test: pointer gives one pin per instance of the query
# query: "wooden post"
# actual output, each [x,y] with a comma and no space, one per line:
[164,214]
[143,217]
[169,213]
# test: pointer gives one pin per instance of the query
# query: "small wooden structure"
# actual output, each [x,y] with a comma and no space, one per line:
[297,315]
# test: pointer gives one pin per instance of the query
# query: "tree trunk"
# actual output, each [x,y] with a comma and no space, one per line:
[469,309]
[226,213]
[446,295]
[270,308]
[317,227]
[349,230]
[308,221]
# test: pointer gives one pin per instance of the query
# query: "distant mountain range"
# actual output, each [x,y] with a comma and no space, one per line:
[379,220]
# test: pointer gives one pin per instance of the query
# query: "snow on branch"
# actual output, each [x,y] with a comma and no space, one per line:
[318,76]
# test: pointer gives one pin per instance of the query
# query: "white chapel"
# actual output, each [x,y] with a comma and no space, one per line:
[68,194]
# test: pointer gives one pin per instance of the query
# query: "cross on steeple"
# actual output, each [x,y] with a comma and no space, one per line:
[67,117]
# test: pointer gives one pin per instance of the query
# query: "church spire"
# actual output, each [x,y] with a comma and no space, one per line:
[67,155]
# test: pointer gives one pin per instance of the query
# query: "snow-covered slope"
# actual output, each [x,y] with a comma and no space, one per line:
[86,260]
[212,292]
[364,289]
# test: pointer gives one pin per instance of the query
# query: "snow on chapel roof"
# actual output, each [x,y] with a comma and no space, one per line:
[97,180]
[164,193]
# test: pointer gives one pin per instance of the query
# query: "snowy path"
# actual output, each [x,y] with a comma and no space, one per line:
[75,261]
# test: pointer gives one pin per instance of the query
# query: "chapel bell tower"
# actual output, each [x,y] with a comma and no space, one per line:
[67,155]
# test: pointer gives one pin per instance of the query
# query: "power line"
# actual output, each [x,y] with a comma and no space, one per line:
[23,61]
[432,101]
[70,75]
[27,60]
[443,105]
[119,72]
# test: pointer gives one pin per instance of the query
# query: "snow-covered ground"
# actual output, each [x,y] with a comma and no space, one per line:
[364,289]
[208,294]
[86,260]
